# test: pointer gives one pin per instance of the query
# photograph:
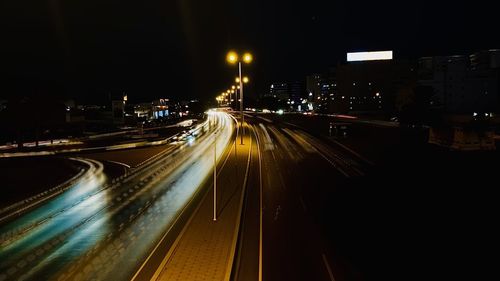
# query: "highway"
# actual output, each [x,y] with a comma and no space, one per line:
[312,210]
[103,229]
[285,239]
[331,214]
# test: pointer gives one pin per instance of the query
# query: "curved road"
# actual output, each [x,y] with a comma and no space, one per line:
[104,231]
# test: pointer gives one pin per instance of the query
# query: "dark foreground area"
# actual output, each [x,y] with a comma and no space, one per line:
[27,176]
[420,213]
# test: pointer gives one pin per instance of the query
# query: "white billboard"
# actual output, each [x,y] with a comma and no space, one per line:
[369,56]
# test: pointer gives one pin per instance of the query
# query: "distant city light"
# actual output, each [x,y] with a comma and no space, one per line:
[369,56]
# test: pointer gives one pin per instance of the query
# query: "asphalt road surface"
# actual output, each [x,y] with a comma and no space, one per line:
[299,173]
[104,230]
[327,214]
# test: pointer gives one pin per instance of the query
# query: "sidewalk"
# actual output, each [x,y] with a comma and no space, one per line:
[205,249]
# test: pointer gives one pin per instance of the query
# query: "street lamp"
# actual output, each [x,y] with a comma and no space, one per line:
[215,176]
[245,79]
[233,58]
[247,58]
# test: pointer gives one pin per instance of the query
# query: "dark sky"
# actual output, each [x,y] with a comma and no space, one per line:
[176,48]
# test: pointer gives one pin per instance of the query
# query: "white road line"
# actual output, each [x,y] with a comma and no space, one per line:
[303,203]
[353,152]
[265,119]
[119,163]
[337,167]
[260,199]
[330,274]
[173,247]
[268,143]
[232,253]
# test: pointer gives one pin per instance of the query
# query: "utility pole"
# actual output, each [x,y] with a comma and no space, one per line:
[241,103]
[215,176]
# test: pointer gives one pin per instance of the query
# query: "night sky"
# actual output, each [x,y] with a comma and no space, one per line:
[85,49]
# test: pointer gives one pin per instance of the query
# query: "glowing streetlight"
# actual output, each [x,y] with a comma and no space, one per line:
[245,79]
[247,58]
[233,58]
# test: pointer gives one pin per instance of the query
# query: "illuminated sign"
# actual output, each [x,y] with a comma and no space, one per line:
[369,56]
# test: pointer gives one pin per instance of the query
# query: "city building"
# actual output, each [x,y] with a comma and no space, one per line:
[144,110]
[288,94]
[367,85]
[321,90]
[279,91]
[463,84]
[160,108]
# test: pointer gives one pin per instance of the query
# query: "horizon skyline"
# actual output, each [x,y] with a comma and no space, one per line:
[84,49]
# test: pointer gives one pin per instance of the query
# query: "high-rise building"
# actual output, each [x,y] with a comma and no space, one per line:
[321,90]
[463,83]
[279,91]
[287,94]
[372,85]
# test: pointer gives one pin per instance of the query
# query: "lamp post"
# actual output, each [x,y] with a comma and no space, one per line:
[215,176]
[233,58]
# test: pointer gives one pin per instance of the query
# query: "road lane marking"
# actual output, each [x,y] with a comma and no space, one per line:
[330,273]
[260,199]
[120,163]
[295,136]
[174,245]
[277,213]
[289,148]
[265,119]
[353,152]
[268,143]
[229,267]
[303,203]
[337,167]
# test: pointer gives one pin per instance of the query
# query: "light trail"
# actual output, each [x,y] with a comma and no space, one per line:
[104,232]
